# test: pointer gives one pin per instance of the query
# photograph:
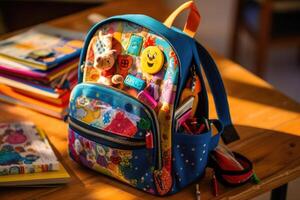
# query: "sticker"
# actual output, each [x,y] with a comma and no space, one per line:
[152,60]
[135,45]
[117,79]
[124,63]
[150,41]
[134,82]
[144,124]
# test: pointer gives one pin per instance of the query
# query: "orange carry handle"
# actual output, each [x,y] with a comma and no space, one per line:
[193,19]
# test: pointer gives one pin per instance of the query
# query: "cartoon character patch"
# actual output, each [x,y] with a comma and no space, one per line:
[135,45]
[152,60]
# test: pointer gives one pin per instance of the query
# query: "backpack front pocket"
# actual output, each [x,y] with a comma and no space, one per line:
[128,160]
[113,122]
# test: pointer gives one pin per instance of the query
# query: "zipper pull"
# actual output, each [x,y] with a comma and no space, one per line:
[149,140]
[82,67]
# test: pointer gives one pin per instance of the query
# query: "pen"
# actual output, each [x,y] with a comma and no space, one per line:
[215,185]
[197,192]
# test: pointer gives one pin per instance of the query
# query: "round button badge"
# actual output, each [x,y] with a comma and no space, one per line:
[152,60]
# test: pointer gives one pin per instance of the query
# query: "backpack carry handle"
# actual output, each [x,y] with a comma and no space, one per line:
[193,20]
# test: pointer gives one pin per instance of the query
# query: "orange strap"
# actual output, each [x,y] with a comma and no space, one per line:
[193,19]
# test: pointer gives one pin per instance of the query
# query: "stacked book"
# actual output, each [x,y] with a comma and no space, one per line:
[38,68]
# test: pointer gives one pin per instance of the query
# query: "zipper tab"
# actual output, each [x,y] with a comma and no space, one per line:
[149,140]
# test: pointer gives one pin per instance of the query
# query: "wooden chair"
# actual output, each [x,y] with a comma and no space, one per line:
[268,22]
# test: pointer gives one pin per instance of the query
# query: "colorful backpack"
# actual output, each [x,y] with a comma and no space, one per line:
[139,81]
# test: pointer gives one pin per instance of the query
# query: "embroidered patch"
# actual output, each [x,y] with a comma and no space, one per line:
[122,125]
[134,82]
[124,64]
[135,45]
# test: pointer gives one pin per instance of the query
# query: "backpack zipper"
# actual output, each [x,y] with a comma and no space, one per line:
[148,110]
[105,135]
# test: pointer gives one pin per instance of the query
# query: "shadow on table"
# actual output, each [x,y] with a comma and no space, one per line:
[260,95]
[261,146]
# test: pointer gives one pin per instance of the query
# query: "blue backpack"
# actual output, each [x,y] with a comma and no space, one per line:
[139,113]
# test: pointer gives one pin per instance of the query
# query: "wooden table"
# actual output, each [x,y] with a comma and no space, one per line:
[268,123]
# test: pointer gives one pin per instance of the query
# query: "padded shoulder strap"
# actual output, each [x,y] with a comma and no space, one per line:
[203,58]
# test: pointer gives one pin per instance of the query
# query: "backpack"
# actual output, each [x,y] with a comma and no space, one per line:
[139,80]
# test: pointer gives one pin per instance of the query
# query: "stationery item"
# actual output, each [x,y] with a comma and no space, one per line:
[255,178]
[17,93]
[42,47]
[184,107]
[181,120]
[25,149]
[195,126]
[134,82]
[146,98]
[197,192]
[226,159]
[39,179]
[232,168]
[9,96]
[215,185]
[23,71]
[31,87]
[192,89]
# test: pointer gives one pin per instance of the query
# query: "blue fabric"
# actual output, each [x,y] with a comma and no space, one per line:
[190,156]
[202,58]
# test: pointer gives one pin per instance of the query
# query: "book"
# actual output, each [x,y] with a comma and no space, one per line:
[42,47]
[31,86]
[9,96]
[24,149]
[23,71]
[60,176]
[61,101]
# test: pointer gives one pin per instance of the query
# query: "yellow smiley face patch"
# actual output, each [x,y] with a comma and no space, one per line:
[152,60]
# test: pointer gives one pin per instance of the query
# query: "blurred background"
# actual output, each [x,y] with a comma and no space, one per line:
[261,35]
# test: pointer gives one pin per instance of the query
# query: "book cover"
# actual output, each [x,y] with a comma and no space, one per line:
[9,96]
[42,47]
[31,86]
[23,71]
[59,176]
[25,149]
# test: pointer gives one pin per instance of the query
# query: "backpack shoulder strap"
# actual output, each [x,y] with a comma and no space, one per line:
[203,58]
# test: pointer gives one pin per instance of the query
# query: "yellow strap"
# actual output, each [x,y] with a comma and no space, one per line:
[193,19]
